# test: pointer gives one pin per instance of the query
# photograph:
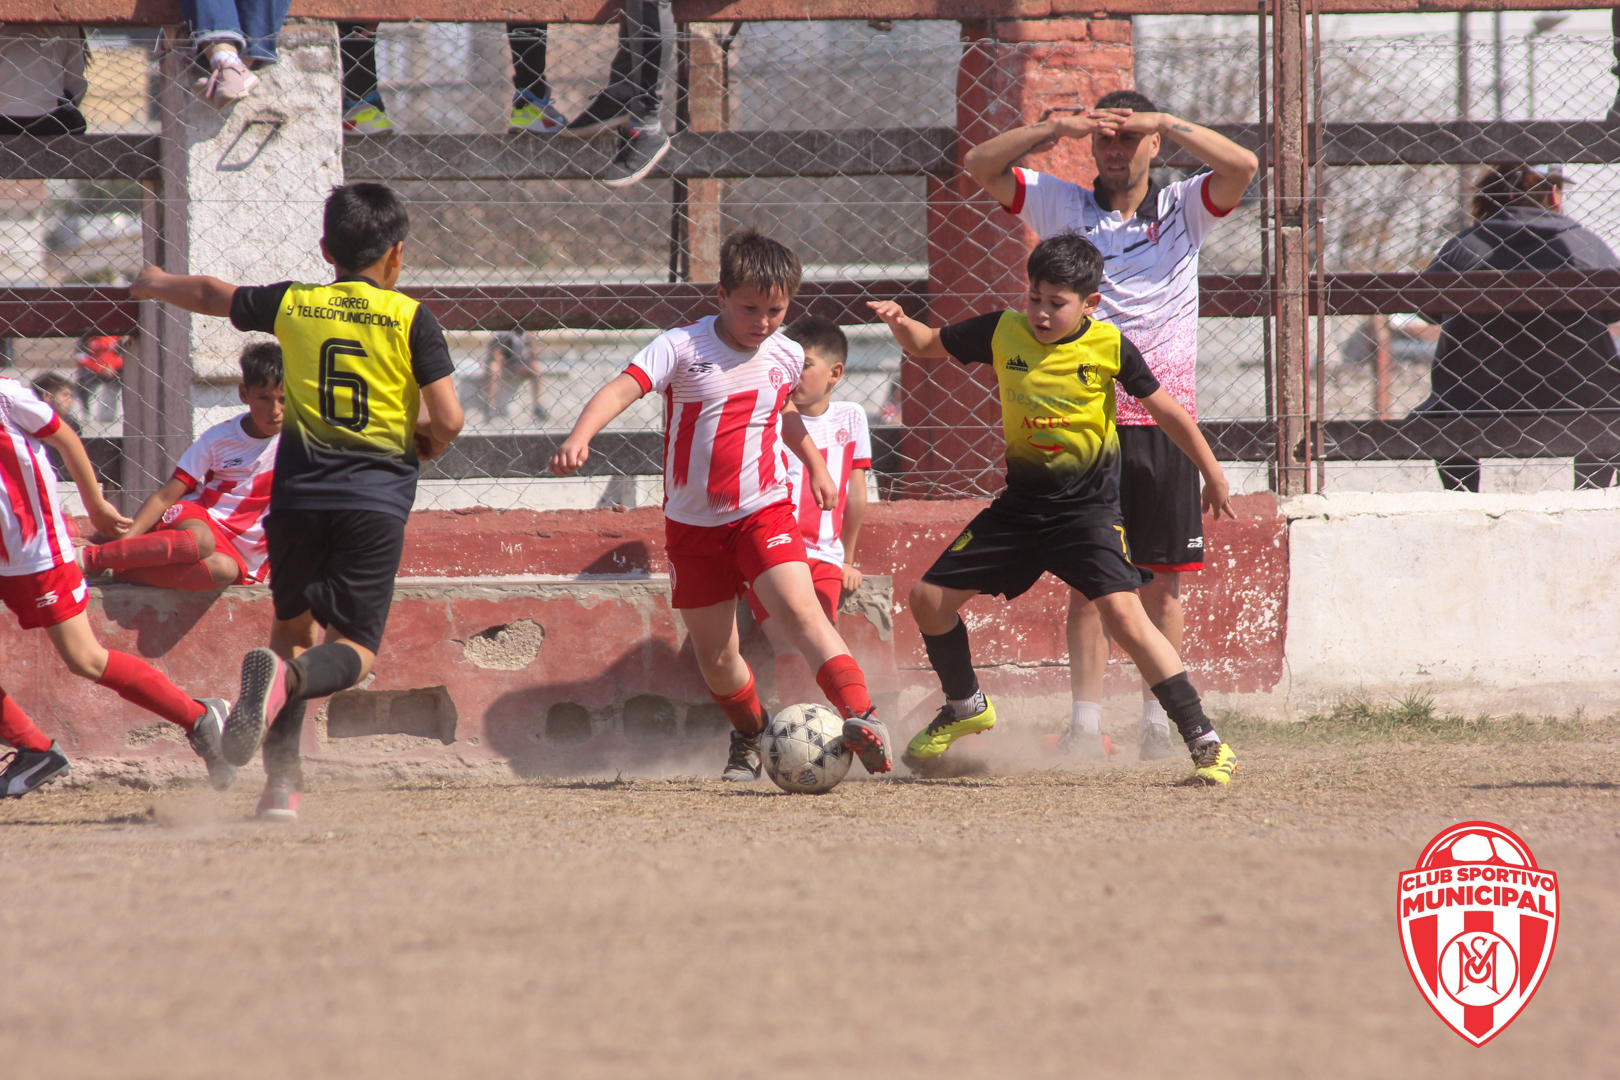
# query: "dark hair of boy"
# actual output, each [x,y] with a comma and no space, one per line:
[1126,99]
[1068,261]
[261,364]
[361,222]
[749,257]
[820,334]
[50,383]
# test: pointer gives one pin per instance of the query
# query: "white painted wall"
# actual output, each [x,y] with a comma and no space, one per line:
[1496,603]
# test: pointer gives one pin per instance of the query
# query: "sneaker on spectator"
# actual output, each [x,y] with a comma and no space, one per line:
[366,117]
[536,115]
[600,115]
[229,80]
[643,148]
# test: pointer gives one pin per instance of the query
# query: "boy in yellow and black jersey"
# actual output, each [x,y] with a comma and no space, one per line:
[369,393]
[1056,369]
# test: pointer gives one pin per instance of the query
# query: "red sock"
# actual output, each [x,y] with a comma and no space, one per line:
[841,679]
[140,682]
[192,577]
[794,686]
[742,708]
[16,729]
[154,549]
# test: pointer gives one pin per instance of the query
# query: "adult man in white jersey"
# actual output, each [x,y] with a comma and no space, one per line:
[1149,237]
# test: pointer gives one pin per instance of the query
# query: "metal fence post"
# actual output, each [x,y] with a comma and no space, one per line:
[157,387]
[1291,283]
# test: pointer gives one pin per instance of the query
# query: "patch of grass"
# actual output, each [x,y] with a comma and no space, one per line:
[1413,719]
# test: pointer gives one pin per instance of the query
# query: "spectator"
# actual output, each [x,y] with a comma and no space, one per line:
[57,392]
[1560,362]
[632,101]
[228,35]
[365,114]
[42,79]
[100,365]
[510,350]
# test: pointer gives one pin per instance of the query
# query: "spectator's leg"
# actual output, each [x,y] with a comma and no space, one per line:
[492,383]
[1592,472]
[1614,16]
[357,45]
[261,24]
[528,44]
[213,26]
[363,111]
[649,32]
[1459,474]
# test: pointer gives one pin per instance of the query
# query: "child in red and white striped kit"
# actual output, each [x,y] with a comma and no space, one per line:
[839,431]
[204,529]
[729,513]
[45,590]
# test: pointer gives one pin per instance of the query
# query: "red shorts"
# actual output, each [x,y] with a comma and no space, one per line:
[829,582]
[223,544]
[46,598]
[710,564]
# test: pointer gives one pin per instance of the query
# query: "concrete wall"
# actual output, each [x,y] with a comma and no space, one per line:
[556,649]
[1498,603]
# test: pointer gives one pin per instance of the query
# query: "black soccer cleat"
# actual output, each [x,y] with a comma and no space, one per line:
[743,764]
[30,769]
[603,114]
[640,151]
[869,738]
[1155,744]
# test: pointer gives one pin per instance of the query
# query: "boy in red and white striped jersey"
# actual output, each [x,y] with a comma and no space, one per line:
[729,514]
[45,590]
[839,431]
[204,529]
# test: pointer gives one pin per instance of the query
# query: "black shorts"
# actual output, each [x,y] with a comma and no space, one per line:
[340,564]
[1005,551]
[1160,499]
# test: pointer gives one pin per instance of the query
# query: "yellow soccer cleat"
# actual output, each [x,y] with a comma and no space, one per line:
[535,116]
[945,729]
[1213,763]
[367,118]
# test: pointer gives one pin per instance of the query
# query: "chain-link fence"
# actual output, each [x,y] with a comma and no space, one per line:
[843,139]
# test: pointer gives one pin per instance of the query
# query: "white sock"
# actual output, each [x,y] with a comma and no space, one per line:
[967,706]
[1087,718]
[1153,713]
[1208,736]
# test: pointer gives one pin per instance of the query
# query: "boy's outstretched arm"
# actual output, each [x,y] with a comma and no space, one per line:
[195,292]
[103,514]
[618,395]
[796,437]
[1175,423]
[154,508]
[912,336]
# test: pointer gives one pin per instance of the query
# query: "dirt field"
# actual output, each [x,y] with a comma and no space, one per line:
[1088,922]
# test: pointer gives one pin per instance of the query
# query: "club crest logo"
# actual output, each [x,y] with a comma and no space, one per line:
[1478,923]
[1153,232]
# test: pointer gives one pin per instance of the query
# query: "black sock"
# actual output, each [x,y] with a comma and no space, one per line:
[952,659]
[281,754]
[1180,700]
[323,670]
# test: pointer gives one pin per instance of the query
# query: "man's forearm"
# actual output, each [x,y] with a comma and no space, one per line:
[994,157]
[1211,147]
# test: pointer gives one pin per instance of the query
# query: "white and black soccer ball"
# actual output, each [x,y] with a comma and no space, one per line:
[803,749]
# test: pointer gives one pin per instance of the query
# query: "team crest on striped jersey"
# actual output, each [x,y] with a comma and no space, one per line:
[1478,919]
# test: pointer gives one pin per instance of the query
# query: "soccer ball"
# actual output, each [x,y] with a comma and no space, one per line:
[803,749]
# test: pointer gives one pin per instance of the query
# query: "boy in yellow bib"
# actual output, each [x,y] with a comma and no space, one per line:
[1056,368]
[369,393]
